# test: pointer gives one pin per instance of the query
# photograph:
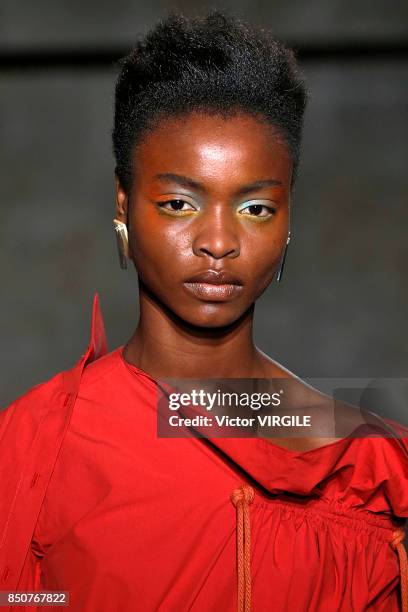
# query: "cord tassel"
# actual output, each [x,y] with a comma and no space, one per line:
[242,498]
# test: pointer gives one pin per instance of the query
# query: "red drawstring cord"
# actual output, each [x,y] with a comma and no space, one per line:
[242,498]
[397,544]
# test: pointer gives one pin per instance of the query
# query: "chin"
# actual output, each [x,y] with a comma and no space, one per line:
[211,316]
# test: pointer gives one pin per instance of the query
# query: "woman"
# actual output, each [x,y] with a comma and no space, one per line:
[208,118]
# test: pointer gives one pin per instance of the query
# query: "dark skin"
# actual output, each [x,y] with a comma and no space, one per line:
[207,193]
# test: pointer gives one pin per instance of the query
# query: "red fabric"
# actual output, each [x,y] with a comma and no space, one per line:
[92,502]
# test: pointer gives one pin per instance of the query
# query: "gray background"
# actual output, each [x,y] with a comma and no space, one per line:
[341,308]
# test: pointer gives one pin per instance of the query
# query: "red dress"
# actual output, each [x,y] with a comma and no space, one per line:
[94,503]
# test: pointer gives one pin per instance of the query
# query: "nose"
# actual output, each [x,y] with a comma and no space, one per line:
[217,237]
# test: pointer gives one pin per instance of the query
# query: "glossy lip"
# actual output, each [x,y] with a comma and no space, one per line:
[213,293]
[215,277]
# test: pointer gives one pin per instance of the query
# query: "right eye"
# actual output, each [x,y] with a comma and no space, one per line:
[176,206]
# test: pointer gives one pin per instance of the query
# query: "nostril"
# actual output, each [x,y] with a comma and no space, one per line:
[220,252]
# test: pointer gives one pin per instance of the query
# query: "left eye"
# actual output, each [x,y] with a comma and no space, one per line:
[258,210]
[176,205]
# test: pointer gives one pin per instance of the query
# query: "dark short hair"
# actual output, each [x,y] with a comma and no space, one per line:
[217,64]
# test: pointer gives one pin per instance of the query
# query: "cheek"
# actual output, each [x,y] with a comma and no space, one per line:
[261,256]
[159,249]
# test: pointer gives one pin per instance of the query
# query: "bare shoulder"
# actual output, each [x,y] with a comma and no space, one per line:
[269,368]
[330,418]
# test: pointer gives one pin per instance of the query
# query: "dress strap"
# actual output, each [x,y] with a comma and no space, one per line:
[397,545]
[242,497]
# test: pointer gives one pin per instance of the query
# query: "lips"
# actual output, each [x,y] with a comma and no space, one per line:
[214,286]
[215,277]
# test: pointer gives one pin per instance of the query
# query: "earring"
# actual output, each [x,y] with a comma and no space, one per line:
[122,242]
[280,270]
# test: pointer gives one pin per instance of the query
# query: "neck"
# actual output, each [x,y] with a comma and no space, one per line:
[165,346]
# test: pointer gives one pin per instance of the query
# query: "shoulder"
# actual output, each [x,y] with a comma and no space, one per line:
[29,408]
[270,368]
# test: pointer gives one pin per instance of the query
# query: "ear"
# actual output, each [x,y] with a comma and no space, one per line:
[121,200]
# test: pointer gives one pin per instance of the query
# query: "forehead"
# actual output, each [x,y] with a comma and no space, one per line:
[212,147]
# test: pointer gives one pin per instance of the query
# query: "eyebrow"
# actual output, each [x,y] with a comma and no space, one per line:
[190,183]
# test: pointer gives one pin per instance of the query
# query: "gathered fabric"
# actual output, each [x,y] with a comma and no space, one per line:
[242,497]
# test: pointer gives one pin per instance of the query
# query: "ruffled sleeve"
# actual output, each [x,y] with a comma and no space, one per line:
[377,478]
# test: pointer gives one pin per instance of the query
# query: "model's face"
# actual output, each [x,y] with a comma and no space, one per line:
[209,194]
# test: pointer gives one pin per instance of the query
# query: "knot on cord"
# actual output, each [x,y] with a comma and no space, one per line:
[243,493]
[398,536]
